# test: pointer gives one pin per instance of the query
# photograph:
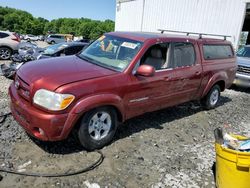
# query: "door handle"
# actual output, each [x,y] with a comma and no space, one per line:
[197,73]
[166,79]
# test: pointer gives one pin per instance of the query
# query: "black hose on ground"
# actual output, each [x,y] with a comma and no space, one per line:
[34,174]
[3,117]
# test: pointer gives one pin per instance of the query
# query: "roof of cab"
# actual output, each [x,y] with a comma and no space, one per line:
[143,36]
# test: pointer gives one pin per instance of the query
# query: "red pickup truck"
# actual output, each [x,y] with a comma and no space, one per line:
[119,76]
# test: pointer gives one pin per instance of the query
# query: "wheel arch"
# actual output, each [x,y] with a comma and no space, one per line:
[118,112]
[218,79]
[5,46]
[104,100]
[90,103]
[221,84]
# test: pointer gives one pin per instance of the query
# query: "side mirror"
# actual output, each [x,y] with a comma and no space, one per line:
[145,70]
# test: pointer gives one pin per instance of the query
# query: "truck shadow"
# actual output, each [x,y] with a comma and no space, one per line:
[155,120]
[213,169]
[240,89]
[159,119]
[68,146]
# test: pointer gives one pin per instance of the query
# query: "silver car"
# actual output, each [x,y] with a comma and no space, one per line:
[55,39]
[30,37]
[8,44]
[242,77]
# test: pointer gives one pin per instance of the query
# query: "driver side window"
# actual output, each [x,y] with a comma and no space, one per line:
[157,56]
[169,55]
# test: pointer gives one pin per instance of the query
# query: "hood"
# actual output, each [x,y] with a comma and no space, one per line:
[243,61]
[52,73]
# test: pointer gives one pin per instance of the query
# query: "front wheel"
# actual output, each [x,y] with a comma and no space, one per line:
[97,128]
[5,53]
[211,100]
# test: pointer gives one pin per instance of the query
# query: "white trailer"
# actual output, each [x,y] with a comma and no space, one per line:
[220,17]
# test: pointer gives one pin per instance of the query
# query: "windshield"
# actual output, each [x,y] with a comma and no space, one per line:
[111,52]
[243,52]
[54,48]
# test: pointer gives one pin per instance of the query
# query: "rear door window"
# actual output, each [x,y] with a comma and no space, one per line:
[211,51]
[184,54]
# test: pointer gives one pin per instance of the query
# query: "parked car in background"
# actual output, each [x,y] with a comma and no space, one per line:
[55,39]
[41,37]
[119,76]
[22,36]
[30,37]
[29,52]
[242,78]
[84,40]
[62,49]
[8,44]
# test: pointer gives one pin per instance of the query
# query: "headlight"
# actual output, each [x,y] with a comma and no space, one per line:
[51,100]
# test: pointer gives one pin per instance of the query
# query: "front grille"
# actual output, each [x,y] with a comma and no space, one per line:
[23,88]
[243,69]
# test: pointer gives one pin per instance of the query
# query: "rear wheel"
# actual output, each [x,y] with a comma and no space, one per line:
[52,42]
[211,100]
[97,128]
[5,53]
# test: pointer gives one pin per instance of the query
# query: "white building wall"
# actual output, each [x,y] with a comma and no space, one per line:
[224,17]
[129,15]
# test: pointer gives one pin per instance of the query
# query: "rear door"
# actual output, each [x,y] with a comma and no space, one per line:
[188,69]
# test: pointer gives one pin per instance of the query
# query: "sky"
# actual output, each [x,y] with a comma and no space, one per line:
[52,9]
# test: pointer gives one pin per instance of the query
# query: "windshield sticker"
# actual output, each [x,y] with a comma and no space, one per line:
[129,45]
[121,65]
[101,38]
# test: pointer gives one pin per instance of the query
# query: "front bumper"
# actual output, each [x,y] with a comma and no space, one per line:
[41,125]
[242,80]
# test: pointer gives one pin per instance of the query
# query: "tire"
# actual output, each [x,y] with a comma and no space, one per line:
[5,53]
[97,128]
[52,42]
[212,99]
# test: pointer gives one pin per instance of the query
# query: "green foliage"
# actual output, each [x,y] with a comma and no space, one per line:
[23,22]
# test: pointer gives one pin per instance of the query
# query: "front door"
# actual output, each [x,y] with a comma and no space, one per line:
[146,94]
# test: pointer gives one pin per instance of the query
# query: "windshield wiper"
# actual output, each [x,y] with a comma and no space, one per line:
[85,58]
[93,61]
[113,67]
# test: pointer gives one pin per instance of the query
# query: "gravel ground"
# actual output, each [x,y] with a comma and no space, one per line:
[173,147]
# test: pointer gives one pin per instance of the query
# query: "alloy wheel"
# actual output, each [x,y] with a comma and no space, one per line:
[99,125]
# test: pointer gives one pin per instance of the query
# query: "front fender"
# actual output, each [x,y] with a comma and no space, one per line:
[91,102]
[220,76]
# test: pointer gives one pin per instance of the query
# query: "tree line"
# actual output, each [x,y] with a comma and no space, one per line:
[24,23]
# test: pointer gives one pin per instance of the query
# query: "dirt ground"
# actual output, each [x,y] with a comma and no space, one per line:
[173,147]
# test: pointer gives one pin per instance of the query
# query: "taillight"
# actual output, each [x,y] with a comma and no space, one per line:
[16,38]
